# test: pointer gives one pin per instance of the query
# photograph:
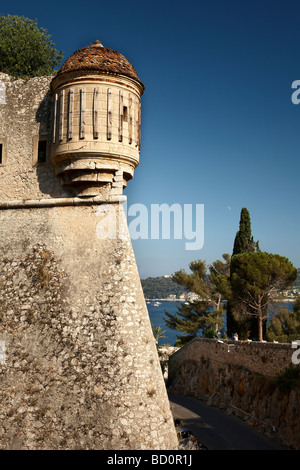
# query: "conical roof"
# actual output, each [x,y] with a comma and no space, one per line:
[96,58]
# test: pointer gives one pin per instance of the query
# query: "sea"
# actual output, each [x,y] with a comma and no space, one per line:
[157,309]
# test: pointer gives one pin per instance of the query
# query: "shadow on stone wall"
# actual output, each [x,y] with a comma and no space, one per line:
[48,182]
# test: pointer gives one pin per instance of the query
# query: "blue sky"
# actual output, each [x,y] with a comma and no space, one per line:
[218,124]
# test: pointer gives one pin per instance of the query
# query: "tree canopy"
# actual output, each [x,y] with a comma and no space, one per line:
[26,50]
[257,279]
[297,305]
[206,311]
[249,281]
[285,325]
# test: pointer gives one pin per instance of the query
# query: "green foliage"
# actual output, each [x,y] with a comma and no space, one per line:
[205,313]
[285,325]
[296,306]
[262,273]
[244,240]
[219,277]
[287,380]
[196,281]
[210,333]
[243,243]
[183,340]
[257,279]
[297,282]
[158,332]
[26,50]
[160,287]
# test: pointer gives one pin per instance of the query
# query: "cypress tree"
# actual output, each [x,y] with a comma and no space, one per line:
[243,243]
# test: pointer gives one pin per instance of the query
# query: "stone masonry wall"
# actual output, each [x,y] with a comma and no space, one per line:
[119,142]
[81,369]
[267,359]
[25,109]
[239,378]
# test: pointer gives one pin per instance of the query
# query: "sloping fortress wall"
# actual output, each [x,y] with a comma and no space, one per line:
[81,365]
[78,361]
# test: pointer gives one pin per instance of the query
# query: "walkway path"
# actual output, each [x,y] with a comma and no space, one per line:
[216,429]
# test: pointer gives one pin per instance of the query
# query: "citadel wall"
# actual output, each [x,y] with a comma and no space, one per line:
[79,368]
[24,120]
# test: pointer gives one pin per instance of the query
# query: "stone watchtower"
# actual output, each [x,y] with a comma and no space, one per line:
[78,363]
[95,141]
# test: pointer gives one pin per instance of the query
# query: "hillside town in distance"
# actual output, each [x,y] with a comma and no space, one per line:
[164,288]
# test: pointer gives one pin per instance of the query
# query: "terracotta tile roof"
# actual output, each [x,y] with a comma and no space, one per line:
[99,58]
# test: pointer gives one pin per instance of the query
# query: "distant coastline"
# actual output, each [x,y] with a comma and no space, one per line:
[164,289]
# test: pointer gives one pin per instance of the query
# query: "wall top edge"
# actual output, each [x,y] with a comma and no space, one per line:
[237,344]
[55,202]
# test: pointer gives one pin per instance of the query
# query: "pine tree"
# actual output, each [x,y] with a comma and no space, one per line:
[258,279]
[205,312]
